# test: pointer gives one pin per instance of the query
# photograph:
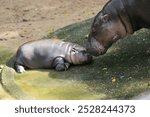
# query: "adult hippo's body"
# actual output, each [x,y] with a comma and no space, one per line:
[50,53]
[116,20]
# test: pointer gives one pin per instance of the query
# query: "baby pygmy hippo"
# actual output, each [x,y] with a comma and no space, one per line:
[50,53]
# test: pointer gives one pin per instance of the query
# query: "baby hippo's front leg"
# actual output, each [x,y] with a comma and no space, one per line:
[60,65]
[19,68]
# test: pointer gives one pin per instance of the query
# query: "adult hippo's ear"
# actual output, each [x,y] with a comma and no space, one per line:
[105,18]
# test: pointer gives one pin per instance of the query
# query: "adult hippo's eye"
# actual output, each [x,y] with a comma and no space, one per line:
[93,30]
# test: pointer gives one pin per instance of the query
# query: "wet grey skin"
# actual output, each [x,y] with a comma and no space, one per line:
[50,53]
[116,20]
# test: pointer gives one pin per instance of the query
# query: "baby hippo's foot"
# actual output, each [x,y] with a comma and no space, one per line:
[62,67]
[20,69]
[60,64]
[66,66]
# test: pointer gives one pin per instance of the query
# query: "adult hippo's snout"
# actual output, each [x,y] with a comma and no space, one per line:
[94,48]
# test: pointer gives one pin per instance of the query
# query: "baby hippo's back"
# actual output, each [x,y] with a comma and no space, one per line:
[41,53]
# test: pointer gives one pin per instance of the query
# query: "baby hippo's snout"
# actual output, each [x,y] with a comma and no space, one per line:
[85,57]
[81,57]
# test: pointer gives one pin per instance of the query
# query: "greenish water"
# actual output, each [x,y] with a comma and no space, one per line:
[123,72]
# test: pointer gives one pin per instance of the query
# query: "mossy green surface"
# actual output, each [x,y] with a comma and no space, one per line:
[75,33]
[49,85]
[5,55]
[123,72]
[7,79]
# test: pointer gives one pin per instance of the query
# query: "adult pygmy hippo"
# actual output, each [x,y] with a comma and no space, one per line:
[116,20]
[50,53]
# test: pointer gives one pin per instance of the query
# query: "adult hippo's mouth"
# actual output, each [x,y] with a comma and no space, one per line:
[96,52]
[94,48]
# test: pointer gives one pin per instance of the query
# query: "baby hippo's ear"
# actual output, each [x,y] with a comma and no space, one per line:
[105,18]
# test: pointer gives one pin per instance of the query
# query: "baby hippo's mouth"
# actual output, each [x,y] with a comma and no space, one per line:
[89,56]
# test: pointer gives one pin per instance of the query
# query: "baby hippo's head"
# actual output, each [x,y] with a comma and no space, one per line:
[80,56]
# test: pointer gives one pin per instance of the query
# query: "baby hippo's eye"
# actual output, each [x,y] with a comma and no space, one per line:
[84,52]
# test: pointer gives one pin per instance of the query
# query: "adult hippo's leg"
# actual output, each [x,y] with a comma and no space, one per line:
[60,65]
[19,68]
